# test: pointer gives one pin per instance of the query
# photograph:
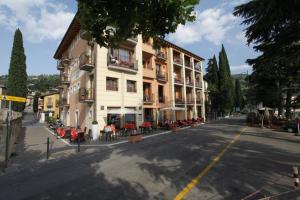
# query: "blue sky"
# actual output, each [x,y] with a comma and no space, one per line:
[44,22]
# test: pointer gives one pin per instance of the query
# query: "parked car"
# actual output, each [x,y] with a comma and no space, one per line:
[291,127]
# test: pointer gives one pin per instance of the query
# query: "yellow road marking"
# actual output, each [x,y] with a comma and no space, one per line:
[214,161]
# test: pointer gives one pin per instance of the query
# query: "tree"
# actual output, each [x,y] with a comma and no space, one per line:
[225,83]
[111,22]
[238,96]
[35,105]
[17,76]
[213,83]
[274,29]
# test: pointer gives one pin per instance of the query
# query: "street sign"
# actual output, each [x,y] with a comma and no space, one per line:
[12,98]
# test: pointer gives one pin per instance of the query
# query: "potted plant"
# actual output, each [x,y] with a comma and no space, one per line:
[95,130]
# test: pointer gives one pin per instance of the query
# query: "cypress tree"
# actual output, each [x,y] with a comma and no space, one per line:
[225,83]
[213,83]
[17,76]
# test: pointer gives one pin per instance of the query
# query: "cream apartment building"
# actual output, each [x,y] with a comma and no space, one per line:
[127,84]
[99,84]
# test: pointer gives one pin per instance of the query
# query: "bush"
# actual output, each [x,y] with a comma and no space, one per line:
[252,118]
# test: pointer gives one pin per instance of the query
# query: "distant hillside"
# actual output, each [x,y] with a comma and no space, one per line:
[40,83]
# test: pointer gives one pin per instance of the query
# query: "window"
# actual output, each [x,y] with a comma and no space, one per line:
[124,55]
[111,84]
[131,86]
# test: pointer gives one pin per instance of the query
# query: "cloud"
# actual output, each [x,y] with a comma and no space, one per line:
[211,24]
[243,68]
[39,20]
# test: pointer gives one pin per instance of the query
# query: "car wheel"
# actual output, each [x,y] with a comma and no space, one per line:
[290,130]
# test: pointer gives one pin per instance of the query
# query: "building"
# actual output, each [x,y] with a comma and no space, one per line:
[49,103]
[2,92]
[130,84]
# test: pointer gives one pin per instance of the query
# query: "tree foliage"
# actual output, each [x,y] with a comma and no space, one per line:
[111,22]
[213,83]
[238,96]
[17,76]
[225,83]
[274,29]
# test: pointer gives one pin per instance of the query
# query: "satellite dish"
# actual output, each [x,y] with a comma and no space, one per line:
[85,35]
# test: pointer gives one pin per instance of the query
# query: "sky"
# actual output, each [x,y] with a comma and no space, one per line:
[44,23]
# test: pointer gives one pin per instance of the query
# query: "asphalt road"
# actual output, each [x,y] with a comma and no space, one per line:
[160,167]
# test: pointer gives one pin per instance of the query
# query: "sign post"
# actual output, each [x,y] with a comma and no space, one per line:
[8,121]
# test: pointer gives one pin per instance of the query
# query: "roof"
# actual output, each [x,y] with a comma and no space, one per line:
[74,28]
[72,31]
[170,44]
[48,94]
[3,86]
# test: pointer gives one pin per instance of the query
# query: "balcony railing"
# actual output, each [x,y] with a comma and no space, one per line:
[190,100]
[198,84]
[148,98]
[118,64]
[178,80]
[179,100]
[65,79]
[63,63]
[65,103]
[197,66]
[188,64]
[199,101]
[86,62]
[162,99]
[86,95]
[162,76]
[178,61]
[189,82]
[161,55]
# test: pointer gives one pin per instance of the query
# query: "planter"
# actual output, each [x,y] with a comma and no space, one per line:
[176,129]
[95,134]
[194,125]
[135,138]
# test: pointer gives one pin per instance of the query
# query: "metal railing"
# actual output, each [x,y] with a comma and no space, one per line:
[114,61]
[178,60]
[148,98]
[162,76]
[85,94]
[161,55]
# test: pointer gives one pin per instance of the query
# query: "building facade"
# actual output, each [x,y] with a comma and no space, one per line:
[129,84]
[49,103]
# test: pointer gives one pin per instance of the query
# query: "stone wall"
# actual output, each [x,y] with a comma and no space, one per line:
[16,130]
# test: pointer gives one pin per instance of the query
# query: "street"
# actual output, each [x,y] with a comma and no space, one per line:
[259,161]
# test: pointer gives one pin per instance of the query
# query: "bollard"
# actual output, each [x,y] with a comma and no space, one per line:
[48,145]
[296,176]
[78,144]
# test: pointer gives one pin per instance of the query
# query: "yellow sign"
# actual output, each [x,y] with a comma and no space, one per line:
[12,98]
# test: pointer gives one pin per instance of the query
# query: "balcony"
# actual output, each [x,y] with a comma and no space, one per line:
[199,101]
[190,100]
[161,56]
[118,64]
[49,105]
[188,64]
[179,100]
[65,79]
[131,42]
[178,80]
[162,76]
[178,61]
[63,63]
[148,99]
[162,99]
[86,62]
[64,103]
[197,66]
[86,95]
[189,82]
[198,84]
